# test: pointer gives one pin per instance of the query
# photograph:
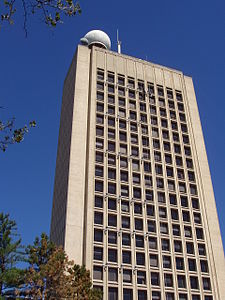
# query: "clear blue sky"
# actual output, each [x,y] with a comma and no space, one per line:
[186,35]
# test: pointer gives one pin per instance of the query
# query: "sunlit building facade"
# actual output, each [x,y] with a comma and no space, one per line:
[133,198]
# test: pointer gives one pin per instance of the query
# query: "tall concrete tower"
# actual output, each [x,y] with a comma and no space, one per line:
[133,197]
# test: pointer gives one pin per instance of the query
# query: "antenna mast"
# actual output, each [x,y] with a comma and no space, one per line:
[118,42]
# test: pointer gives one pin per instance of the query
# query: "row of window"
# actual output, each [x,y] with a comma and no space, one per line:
[154,278]
[139,85]
[125,205]
[152,242]
[143,295]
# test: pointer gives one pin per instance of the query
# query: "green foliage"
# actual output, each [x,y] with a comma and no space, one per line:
[11,135]
[11,252]
[50,11]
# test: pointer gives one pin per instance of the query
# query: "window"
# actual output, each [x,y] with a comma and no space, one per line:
[121,91]
[146,153]
[140,258]
[166,262]
[100,86]
[99,171]
[156,144]
[112,220]
[123,149]
[189,163]
[156,295]
[175,137]
[112,274]
[182,187]
[127,276]
[176,230]
[145,141]
[165,245]
[142,295]
[195,203]
[191,264]
[121,101]
[125,207]
[111,160]
[169,94]
[163,228]
[155,279]
[166,146]
[126,239]
[141,277]
[183,297]
[181,281]
[122,124]
[162,212]
[98,201]
[136,178]
[99,131]
[168,158]
[121,80]
[111,146]
[199,233]
[124,191]
[151,226]
[135,165]
[125,222]
[186,216]
[98,218]
[157,156]
[138,224]
[169,171]
[111,133]
[147,167]
[179,96]
[97,273]
[168,279]
[187,231]
[197,218]
[133,115]
[164,123]
[98,186]
[180,174]
[126,257]
[195,297]
[204,266]
[173,199]
[171,185]
[160,183]
[99,145]
[194,282]
[174,125]
[124,176]
[111,110]
[193,189]
[162,112]
[190,247]
[98,235]
[139,241]
[98,253]
[134,151]
[112,237]
[162,102]
[100,74]
[177,148]
[153,260]
[184,201]
[158,169]
[174,214]
[112,293]
[206,284]
[111,188]
[170,296]
[112,173]
[137,192]
[178,246]
[179,263]
[152,243]
[138,208]
[123,162]
[112,255]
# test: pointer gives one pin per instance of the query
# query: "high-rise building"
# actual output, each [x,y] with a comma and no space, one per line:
[133,198]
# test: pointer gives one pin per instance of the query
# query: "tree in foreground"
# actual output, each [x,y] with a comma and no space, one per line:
[11,252]
[52,276]
[10,135]
[50,12]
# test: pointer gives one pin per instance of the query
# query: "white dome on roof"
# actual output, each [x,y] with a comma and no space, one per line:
[96,37]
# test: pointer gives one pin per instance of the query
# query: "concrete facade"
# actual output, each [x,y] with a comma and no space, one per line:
[133,198]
